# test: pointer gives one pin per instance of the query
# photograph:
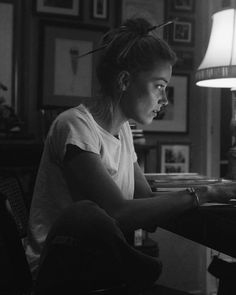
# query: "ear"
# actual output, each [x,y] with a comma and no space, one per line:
[123,80]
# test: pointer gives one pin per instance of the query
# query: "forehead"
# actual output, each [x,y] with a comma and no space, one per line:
[160,71]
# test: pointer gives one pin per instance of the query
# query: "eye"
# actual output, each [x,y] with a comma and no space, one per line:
[160,87]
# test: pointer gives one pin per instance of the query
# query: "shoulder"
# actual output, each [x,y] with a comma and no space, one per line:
[73,123]
[72,113]
[77,116]
[73,126]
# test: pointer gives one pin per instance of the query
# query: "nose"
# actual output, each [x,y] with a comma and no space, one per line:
[164,99]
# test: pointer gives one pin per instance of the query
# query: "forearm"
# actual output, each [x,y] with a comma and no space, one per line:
[157,210]
[162,207]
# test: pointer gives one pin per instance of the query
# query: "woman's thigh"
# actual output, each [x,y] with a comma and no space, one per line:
[85,246]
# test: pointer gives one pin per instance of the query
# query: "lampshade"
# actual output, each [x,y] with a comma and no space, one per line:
[218,68]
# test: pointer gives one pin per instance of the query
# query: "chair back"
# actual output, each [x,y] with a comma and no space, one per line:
[15,275]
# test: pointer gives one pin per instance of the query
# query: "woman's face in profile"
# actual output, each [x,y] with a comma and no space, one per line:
[145,95]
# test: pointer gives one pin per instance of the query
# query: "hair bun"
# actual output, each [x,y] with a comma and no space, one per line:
[138,26]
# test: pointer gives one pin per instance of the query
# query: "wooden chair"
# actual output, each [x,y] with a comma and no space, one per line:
[15,276]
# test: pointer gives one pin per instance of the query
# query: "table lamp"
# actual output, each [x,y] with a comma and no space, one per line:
[218,67]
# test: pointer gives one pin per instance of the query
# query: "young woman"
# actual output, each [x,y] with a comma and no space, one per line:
[90,194]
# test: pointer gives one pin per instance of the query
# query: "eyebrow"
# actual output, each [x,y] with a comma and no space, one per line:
[159,78]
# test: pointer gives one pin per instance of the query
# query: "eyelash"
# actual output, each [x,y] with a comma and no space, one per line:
[160,87]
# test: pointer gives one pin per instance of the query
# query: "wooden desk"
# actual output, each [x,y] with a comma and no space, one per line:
[214,227]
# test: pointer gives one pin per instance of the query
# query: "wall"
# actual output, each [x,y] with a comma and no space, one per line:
[197,124]
[31,85]
[6,49]
[197,104]
[32,55]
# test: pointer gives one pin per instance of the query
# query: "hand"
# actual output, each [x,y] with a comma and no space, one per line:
[218,193]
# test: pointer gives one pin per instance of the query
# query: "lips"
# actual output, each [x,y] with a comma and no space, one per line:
[160,114]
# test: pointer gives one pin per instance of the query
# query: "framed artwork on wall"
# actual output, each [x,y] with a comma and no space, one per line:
[175,117]
[104,13]
[174,158]
[66,80]
[100,9]
[182,32]
[61,7]
[6,52]
[185,59]
[179,7]
[182,5]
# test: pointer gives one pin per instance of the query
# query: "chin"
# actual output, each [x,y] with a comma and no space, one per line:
[144,121]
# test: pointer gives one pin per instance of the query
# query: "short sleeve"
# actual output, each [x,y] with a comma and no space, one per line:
[72,127]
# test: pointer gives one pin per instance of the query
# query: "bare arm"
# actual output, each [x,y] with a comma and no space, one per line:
[86,174]
[141,187]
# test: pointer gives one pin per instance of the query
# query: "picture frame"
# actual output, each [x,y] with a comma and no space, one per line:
[66,80]
[100,9]
[10,36]
[182,5]
[109,13]
[182,32]
[175,118]
[185,59]
[65,8]
[174,158]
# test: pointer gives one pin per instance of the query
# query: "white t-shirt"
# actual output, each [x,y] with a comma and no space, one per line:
[51,195]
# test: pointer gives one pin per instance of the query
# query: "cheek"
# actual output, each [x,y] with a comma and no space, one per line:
[139,99]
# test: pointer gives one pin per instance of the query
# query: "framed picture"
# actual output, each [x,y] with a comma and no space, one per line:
[175,117]
[66,79]
[100,9]
[10,37]
[59,7]
[182,5]
[185,59]
[174,158]
[181,32]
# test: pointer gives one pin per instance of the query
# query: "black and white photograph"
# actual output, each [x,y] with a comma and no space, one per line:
[117,147]
[100,9]
[182,32]
[185,59]
[66,78]
[6,51]
[62,7]
[175,158]
[183,5]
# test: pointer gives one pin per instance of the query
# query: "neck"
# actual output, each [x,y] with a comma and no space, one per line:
[113,124]
[111,121]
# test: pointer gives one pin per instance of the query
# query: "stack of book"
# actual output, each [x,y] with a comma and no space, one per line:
[165,182]
[138,135]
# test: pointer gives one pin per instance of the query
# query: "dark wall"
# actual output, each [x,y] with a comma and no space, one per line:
[31,62]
